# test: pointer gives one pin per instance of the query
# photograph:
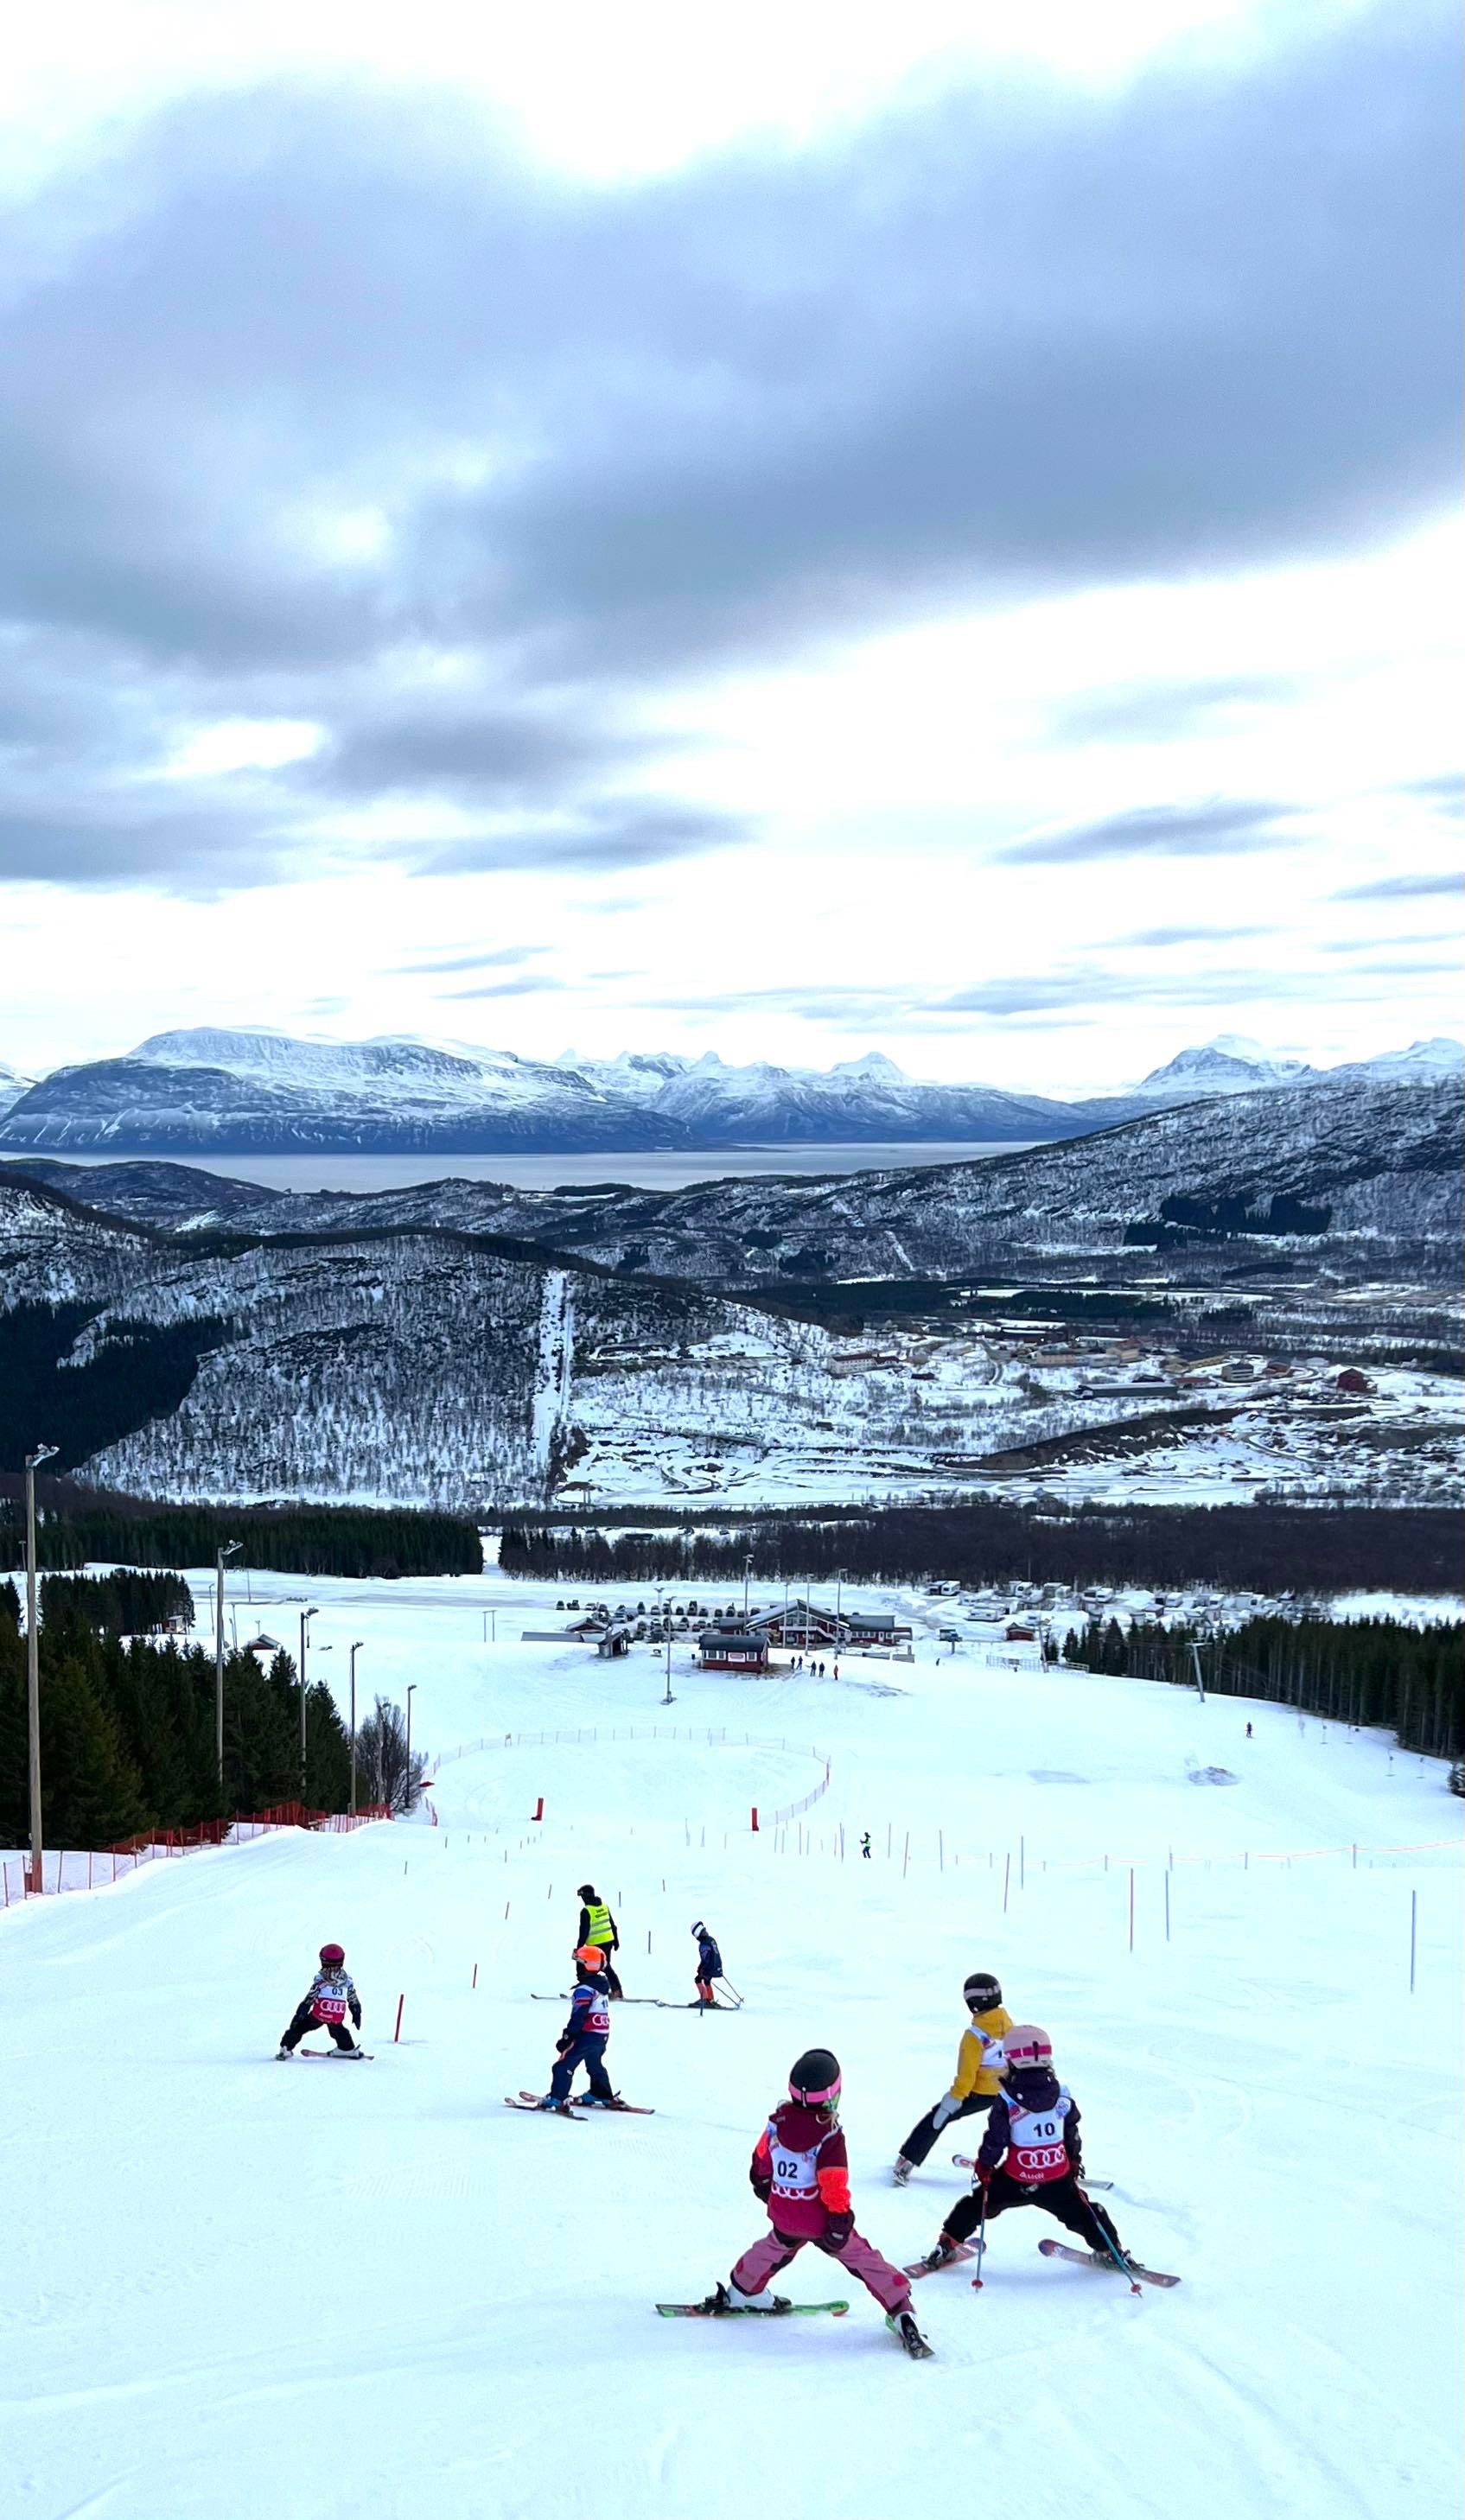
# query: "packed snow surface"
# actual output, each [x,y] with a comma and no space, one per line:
[236,2287]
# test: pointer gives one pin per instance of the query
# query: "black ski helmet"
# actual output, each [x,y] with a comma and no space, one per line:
[815,2079]
[982,1992]
[586,1890]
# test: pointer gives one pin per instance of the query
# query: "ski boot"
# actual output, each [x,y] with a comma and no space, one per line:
[556,2108]
[726,2298]
[901,2172]
[283,2055]
[902,2326]
[942,2255]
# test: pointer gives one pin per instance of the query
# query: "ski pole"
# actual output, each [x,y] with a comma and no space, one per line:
[1134,2287]
[731,1990]
[980,2244]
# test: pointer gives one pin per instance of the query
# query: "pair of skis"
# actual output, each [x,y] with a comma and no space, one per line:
[1104,2265]
[907,2335]
[532,2103]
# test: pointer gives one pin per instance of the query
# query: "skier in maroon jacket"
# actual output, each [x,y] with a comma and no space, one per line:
[1031,2155]
[800,2171]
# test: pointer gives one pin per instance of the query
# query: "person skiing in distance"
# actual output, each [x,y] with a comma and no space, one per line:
[801,2172]
[330,1998]
[1031,2155]
[864,1846]
[978,2080]
[583,2041]
[597,1928]
[708,1963]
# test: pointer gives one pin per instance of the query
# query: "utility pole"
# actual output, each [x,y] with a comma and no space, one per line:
[747,1580]
[1195,1658]
[355,1649]
[839,1595]
[305,1618]
[42,1453]
[230,1549]
[411,1693]
[668,1700]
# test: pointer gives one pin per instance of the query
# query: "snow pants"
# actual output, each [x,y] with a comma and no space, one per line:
[767,2257]
[921,2137]
[305,2019]
[1062,2198]
[589,2050]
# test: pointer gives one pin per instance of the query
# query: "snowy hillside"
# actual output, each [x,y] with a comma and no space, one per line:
[12,1087]
[1359,1176]
[371,2292]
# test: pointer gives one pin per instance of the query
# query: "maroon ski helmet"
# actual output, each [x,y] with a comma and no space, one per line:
[330,1956]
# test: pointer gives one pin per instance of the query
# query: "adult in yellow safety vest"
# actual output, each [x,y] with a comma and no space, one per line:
[597,1926]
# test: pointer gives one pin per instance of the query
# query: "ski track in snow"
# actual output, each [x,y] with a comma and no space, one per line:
[237,2286]
[554,1372]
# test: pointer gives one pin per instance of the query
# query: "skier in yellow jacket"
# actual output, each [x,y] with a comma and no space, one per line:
[979,2068]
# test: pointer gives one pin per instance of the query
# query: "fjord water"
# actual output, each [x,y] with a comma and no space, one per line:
[654,1168]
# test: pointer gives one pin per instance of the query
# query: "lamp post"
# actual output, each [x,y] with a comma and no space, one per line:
[305,1618]
[747,1580]
[42,1453]
[411,1693]
[355,1649]
[231,1549]
[668,1700]
[839,1595]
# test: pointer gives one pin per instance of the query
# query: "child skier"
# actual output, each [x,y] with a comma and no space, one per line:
[583,2041]
[979,2073]
[708,1964]
[1031,2155]
[800,2171]
[597,1927]
[330,1998]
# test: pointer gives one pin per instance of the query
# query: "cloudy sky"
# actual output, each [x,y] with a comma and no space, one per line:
[792,532]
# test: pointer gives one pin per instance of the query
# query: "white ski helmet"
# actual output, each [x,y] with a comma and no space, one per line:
[1026,2047]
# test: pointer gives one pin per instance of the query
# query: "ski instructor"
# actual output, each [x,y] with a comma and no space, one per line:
[597,1928]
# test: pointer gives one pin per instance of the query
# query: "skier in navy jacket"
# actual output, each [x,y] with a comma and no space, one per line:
[583,2041]
[708,1963]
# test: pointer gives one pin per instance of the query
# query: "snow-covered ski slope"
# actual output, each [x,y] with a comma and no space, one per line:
[234,2287]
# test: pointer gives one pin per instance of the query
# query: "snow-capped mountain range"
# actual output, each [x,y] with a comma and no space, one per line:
[217,1091]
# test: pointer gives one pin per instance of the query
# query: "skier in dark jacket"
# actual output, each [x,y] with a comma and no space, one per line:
[583,2041]
[1031,2155]
[330,1998]
[708,1964]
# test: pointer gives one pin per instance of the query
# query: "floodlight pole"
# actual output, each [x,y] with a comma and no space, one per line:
[231,1549]
[355,1649]
[42,1453]
[306,1617]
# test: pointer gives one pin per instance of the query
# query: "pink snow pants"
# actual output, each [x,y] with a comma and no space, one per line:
[757,2266]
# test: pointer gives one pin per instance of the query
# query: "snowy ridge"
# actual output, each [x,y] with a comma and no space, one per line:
[217,1091]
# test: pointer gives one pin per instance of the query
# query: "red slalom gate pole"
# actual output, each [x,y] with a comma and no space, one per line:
[754,1819]
[539,1808]
[397,2031]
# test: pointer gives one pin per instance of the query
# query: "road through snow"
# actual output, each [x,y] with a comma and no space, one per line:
[234,2287]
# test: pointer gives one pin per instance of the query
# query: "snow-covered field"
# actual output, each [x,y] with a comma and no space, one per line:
[235,2288]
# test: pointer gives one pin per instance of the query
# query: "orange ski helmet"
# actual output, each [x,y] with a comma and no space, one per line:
[590,1956]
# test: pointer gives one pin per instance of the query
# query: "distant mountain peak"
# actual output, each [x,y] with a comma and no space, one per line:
[874,1065]
[1230,1063]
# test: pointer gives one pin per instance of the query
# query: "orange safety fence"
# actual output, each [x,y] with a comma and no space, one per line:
[64,1868]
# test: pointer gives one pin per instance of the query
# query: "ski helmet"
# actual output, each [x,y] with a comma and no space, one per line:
[330,1956]
[698,1929]
[815,2079]
[1025,2047]
[586,1890]
[982,1992]
[590,1956]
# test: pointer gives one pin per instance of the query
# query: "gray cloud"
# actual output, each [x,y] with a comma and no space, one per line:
[619,832]
[1161,936]
[504,955]
[1441,886]
[527,987]
[1165,712]
[1220,827]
